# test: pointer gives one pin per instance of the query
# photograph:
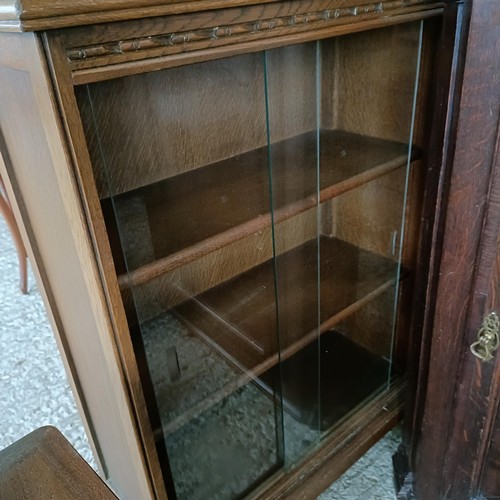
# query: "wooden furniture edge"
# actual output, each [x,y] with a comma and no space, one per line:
[45,291]
[44,464]
[431,233]
[40,15]
[82,170]
[24,54]
[339,450]
[251,373]
[246,44]
[469,386]
[152,270]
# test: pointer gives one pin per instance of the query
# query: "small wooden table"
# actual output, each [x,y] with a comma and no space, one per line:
[43,465]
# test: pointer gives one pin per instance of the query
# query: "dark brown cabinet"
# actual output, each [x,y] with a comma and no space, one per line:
[241,215]
[456,446]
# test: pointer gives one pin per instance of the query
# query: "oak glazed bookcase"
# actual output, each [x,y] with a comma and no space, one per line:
[224,203]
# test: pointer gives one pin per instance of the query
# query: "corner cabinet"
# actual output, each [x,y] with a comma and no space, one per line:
[231,207]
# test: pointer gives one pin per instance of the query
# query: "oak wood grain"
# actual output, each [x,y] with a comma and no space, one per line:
[28,15]
[459,385]
[135,380]
[40,14]
[44,465]
[249,43]
[94,36]
[198,32]
[233,195]
[64,254]
[240,315]
[162,293]
[386,109]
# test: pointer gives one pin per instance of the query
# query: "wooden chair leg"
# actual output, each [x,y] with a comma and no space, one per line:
[6,210]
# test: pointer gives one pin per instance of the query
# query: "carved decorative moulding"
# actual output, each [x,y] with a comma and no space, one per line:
[235,29]
[257,27]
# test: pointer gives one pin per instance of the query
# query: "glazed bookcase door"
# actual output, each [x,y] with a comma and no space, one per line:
[256,210]
[341,159]
[185,195]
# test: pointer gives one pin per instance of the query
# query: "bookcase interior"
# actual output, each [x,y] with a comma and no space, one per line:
[261,213]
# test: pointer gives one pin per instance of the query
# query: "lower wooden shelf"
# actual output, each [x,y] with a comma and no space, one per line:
[249,316]
[239,320]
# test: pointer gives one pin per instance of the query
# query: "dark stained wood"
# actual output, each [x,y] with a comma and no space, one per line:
[125,48]
[490,480]
[239,316]
[348,375]
[417,231]
[462,392]
[477,400]
[211,207]
[222,265]
[444,95]
[43,465]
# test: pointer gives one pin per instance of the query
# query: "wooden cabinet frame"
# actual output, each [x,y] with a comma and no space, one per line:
[81,43]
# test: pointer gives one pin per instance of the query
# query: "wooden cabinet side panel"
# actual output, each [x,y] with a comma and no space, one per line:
[446,454]
[46,197]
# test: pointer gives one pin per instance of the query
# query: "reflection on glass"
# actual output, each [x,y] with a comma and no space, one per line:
[255,208]
[340,155]
[187,204]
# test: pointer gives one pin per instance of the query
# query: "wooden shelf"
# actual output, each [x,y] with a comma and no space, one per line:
[198,212]
[238,318]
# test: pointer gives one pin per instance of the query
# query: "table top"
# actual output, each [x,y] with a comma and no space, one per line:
[44,465]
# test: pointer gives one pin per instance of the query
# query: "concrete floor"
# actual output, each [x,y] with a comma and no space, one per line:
[34,390]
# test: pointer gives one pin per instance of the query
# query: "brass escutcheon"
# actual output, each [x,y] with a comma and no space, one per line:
[487,338]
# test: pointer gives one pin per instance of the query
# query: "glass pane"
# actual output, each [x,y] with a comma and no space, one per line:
[372,93]
[182,172]
[340,115]
[255,207]
[293,75]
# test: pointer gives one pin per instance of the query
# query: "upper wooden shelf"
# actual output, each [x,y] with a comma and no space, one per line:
[198,212]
